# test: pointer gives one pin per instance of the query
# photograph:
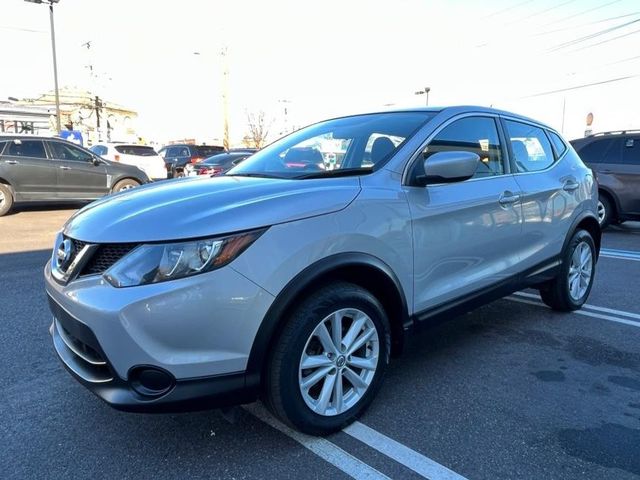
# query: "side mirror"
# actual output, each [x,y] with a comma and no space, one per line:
[449,167]
[96,161]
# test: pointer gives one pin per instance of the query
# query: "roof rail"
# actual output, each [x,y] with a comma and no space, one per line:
[614,132]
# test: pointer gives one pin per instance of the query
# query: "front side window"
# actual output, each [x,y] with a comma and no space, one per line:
[26,148]
[478,135]
[530,147]
[62,151]
[343,146]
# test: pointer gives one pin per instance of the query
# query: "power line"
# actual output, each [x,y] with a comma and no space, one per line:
[591,36]
[573,27]
[577,87]
[622,61]
[606,41]
[593,9]
[542,12]
[504,10]
[18,29]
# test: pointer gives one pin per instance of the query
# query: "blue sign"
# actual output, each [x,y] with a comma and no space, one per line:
[74,136]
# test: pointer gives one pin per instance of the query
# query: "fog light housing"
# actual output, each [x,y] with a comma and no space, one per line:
[151,381]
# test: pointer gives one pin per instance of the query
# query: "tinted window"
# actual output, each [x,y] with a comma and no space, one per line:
[602,150]
[139,150]
[558,143]
[530,146]
[99,149]
[206,150]
[472,134]
[631,151]
[26,148]
[62,151]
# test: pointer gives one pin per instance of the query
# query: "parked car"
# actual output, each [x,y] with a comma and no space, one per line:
[299,285]
[217,164]
[615,159]
[37,169]
[142,156]
[177,156]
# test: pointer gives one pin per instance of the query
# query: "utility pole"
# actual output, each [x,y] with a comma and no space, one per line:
[98,105]
[225,98]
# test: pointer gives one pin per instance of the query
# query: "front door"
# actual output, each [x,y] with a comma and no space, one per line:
[78,176]
[465,234]
[27,167]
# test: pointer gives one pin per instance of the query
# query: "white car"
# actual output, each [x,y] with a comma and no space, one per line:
[142,156]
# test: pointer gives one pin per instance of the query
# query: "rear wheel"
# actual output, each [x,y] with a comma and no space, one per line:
[571,288]
[6,199]
[126,184]
[605,211]
[329,360]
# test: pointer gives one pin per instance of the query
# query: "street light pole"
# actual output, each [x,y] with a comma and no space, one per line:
[424,92]
[55,62]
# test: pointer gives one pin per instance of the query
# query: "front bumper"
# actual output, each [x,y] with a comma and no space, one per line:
[199,339]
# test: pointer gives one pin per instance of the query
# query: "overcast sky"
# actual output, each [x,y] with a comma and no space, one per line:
[332,57]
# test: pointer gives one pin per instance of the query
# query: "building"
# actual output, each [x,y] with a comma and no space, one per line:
[25,119]
[98,120]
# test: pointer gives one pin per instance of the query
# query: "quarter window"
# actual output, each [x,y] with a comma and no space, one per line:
[558,143]
[530,146]
[26,148]
[62,151]
[471,134]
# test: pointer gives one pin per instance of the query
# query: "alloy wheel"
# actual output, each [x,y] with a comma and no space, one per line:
[602,212]
[580,271]
[339,362]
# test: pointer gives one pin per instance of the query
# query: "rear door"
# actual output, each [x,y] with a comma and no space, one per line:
[26,166]
[466,234]
[548,189]
[78,176]
[629,175]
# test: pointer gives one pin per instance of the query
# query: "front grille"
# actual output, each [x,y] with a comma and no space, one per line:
[106,256]
[103,257]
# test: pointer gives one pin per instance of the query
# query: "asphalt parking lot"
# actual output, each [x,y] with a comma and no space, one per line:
[512,390]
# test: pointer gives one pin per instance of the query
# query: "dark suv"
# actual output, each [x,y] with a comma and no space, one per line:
[615,159]
[177,156]
[51,169]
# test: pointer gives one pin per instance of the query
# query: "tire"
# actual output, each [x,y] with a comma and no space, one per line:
[558,293]
[606,212]
[285,376]
[125,184]
[6,199]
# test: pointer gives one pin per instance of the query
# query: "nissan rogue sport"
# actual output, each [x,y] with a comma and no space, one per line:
[295,284]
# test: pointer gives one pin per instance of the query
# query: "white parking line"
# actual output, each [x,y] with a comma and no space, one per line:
[400,453]
[517,297]
[323,448]
[620,254]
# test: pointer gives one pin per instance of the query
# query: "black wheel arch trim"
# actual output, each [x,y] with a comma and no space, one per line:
[584,215]
[276,315]
[613,197]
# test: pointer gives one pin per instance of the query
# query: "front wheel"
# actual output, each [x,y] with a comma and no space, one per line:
[329,360]
[6,199]
[571,288]
[126,184]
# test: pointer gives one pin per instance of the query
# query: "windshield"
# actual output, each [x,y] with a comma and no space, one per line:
[340,146]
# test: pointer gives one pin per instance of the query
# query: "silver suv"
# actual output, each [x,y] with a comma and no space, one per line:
[290,282]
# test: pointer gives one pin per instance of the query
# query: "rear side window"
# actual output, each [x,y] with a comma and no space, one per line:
[558,143]
[530,147]
[26,148]
[602,150]
[472,134]
[631,151]
[139,150]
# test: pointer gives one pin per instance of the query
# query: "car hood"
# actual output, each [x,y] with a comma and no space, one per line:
[202,207]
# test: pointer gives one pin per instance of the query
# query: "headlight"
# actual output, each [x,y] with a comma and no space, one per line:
[153,263]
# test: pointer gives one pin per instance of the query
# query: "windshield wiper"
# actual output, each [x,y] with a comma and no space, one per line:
[340,172]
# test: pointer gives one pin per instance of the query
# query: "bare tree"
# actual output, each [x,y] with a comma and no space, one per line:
[259,127]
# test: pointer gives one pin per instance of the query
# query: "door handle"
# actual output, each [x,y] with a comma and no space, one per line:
[570,185]
[12,162]
[63,167]
[508,198]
